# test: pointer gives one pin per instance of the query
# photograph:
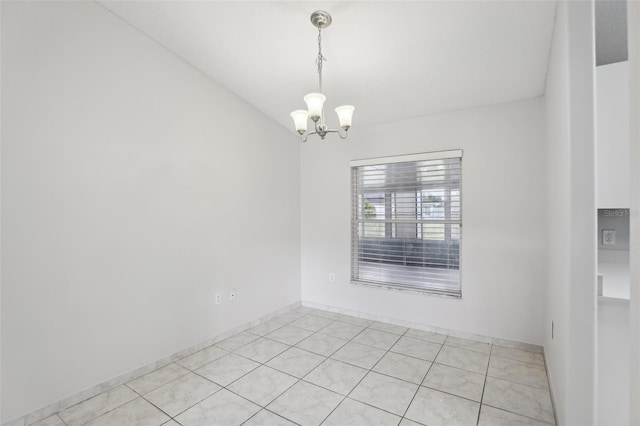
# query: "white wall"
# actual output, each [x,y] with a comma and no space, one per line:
[557,111]
[503,237]
[0,225]
[633,21]
[612,116]
[133,189]
[571,207]
[613,362]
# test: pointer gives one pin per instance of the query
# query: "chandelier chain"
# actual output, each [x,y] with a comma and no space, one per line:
[320,59]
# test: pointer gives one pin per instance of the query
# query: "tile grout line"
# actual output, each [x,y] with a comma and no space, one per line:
[264,364]
[217,384]
[386,353]
[484,385]
[275,414]
[359,381]
[241,396]
[510,381]
[520,415]
[423,379]
[332,321]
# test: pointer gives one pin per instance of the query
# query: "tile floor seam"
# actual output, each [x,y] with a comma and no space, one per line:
[326,357]
[312,334]
[394,377]
[334,409]
[322,387]
[114,408]
[253,360]
[518,414]
[456,368]
[363,377]
[425,376]
[352,389]
[316,331]
[368,404]
[168,415]
[275,414]
[520,361]
[519,383]
[265,406]
[375,406]
[83,401]
[189,407]
[334,352]
[484,385]
[121,405]
[417,389]
[331,354]
[222,388]
[503,409]
[449,393]
[461,345]
[263,364]
[299,378]
[521,415]
[398,378]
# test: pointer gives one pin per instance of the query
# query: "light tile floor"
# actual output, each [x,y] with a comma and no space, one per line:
[312,367]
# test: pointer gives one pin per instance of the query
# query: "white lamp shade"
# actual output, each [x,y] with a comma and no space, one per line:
[300,118]
[345,114]
[315,102]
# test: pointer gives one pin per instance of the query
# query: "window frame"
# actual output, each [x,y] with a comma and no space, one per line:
[356,222]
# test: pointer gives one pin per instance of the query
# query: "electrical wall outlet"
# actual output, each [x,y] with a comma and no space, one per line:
[218,298]
[232,295]
[332,277]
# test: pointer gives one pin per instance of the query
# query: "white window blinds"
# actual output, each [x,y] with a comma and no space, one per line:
[407,222]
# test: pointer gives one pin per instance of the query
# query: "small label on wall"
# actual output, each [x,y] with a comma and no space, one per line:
[616,212]
[608,237]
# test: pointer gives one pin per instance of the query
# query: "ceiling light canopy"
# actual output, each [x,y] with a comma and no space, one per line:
[315,101]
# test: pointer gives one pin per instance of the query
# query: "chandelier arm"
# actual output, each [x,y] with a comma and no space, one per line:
[342,133]
[305,136]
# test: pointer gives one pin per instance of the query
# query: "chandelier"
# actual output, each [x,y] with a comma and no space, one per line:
[315,101]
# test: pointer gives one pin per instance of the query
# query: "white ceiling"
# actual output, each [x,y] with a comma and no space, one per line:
[392,60]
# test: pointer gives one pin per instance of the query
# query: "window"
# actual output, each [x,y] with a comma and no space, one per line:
[406,222]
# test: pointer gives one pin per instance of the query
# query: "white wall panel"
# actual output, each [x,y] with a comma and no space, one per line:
[133,189]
